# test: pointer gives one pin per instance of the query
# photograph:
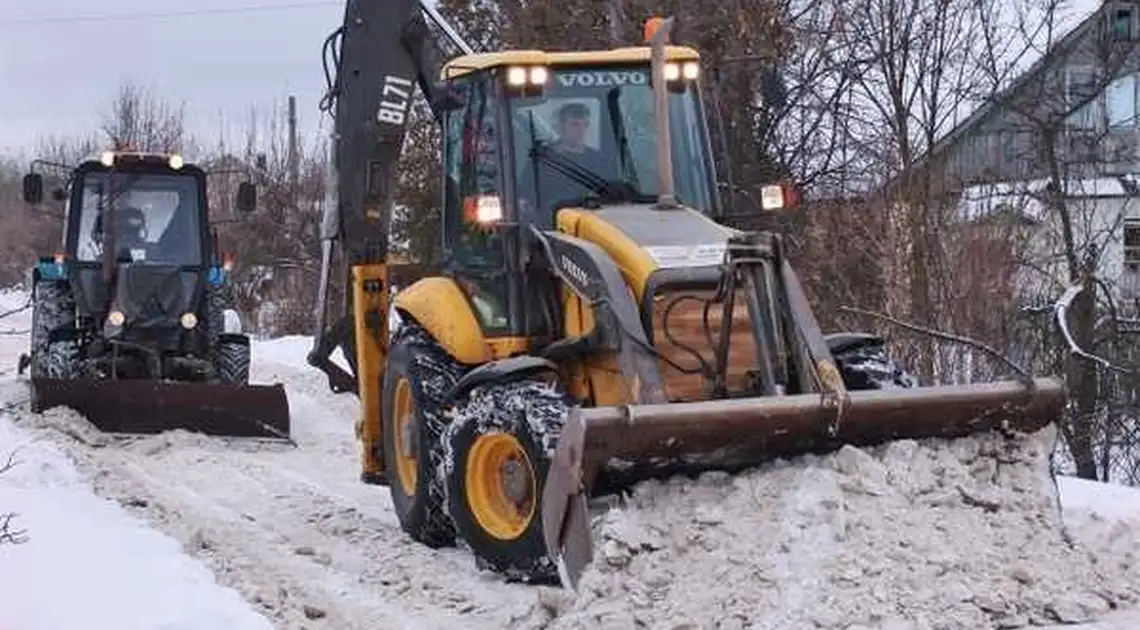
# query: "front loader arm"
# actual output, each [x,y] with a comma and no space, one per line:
[379,55]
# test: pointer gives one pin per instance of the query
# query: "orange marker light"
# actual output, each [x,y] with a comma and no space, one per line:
[651,26]
[228,261]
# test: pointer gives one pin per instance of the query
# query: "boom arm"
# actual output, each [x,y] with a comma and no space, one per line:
[380,53]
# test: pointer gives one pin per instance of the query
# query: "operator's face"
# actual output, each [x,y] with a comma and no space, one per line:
[574,131]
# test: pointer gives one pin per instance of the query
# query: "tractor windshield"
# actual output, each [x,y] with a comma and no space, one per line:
[156,217]
[592,134]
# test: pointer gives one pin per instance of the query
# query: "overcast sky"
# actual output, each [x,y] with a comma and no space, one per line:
[62,61]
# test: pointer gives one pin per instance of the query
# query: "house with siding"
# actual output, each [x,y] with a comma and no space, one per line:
[1071,118]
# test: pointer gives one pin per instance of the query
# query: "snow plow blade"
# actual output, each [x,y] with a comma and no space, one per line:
[148,406]
[662,439]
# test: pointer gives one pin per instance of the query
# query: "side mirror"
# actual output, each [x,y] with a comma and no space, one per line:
[246,197]
[447,97]
[33,188]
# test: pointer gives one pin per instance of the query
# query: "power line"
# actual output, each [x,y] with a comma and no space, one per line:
[157,15]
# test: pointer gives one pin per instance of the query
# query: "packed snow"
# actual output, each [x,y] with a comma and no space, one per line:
[87,563]
[180,531]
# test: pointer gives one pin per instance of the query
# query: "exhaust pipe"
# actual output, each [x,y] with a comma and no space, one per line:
[739,433]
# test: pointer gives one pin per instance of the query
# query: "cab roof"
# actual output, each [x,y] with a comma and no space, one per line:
[471,63]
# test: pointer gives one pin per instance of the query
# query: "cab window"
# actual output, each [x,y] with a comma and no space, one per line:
[592,133]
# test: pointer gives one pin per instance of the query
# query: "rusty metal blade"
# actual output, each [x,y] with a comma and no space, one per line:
[149,406]
[661,439]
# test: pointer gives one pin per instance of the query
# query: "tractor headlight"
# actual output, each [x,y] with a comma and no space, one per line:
[107,159]
[672,72]
[116,318]
[691,70]
[538,75]
[516,76]
[175,162]
[189,320]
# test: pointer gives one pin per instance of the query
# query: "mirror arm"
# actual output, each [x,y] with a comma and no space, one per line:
[39,162]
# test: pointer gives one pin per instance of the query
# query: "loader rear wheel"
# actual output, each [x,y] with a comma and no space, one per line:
[418,375]
[501,442]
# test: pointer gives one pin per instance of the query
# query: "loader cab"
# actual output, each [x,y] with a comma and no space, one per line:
[539,131]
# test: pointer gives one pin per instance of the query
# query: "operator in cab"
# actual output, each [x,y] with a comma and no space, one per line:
[555,188]
[130,233]
[573,126]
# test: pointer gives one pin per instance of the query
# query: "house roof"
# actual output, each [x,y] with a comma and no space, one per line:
[1024,198]
[981,113]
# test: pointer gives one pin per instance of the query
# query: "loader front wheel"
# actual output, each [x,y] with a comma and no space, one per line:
[418,375]
[501,442]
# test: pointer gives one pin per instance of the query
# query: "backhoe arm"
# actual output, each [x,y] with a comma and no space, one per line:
[377,57]
[382,51]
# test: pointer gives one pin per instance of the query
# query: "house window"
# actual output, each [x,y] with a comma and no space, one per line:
[1132,245]
[1120,102]
[1009,152]
[1080,85]
[1122,24]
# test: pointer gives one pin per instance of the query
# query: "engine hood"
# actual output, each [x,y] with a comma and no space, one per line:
[154,297]
[651,246]
[675,238]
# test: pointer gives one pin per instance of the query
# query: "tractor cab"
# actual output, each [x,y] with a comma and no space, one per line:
[137,247]
[150,209]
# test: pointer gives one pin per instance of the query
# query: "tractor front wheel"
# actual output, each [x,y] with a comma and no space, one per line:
[232,359]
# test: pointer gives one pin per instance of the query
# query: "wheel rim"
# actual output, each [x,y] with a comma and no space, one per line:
[403,411]
[501,485]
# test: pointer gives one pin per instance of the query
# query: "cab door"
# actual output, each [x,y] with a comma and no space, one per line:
[474,244]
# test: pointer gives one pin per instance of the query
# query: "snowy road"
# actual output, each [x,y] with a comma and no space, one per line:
[291,530]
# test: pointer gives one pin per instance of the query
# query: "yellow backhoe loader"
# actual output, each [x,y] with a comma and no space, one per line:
[591,323]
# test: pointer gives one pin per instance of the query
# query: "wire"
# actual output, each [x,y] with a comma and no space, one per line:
[157,15]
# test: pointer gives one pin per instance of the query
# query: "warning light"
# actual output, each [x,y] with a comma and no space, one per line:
[651,26]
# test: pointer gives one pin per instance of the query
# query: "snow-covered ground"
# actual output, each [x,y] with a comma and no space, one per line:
[184,532]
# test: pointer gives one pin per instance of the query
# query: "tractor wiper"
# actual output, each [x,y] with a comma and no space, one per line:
[611,191]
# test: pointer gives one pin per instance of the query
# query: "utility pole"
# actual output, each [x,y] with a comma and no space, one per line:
[294,159]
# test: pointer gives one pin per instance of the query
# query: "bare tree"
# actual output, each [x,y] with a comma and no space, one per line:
[10,534]
[138,118]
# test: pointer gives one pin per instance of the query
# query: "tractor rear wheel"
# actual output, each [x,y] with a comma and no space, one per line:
[501,443]
[53,355]
[418,375]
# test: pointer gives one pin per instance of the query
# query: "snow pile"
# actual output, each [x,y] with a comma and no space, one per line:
[87,563]
[939,534]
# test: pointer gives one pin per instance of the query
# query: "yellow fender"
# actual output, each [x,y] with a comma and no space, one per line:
[439,305]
